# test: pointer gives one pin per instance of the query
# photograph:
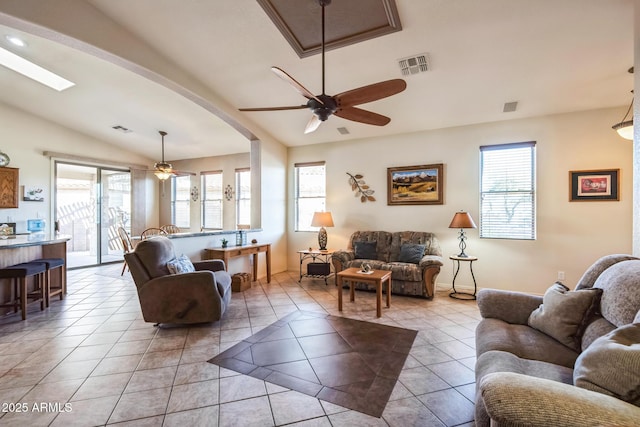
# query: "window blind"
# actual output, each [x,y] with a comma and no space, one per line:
[507,191]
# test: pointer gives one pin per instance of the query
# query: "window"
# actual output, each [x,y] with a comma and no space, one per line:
[211,185]
[310,193]
[243,196]
[180,201]
[507,191]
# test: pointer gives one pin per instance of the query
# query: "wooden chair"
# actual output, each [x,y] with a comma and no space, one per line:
[127,246]
[152,231]
[171,229]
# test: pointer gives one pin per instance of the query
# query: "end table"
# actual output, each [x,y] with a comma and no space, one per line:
[322,257]
[463,295]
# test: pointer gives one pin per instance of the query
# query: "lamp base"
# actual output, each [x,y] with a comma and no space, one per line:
[322,239]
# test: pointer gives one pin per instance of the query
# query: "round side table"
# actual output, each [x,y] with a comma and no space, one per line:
[463,295]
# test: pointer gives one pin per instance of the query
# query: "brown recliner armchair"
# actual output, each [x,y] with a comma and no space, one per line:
[194,297]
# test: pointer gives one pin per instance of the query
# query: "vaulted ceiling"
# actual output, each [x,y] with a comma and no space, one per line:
[551,56]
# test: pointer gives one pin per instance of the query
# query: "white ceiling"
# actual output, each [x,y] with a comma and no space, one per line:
[552,56]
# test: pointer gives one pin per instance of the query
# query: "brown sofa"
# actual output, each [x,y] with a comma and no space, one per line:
[194,297]
[415,278]
[569,358]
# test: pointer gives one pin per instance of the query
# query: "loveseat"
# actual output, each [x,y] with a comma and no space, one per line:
[568,358]
[175,290]
[414,258]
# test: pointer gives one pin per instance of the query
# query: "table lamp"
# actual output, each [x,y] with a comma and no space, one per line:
[322,220]
[462,220]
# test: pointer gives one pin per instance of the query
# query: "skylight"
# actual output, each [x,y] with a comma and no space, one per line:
[33,71]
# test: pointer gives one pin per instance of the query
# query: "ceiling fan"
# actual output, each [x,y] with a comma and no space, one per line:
[342,104]
[164,170]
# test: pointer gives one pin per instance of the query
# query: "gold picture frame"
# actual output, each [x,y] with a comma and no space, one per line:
[415,185]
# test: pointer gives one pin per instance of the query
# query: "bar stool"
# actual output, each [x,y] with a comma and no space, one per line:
[52,264]
[18,274]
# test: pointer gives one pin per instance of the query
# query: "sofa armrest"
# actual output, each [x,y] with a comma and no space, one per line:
[512,307]
[211,265]
[340,258]
[517,400]
[431,260]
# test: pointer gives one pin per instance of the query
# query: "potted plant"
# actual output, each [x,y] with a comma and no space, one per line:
[225,242]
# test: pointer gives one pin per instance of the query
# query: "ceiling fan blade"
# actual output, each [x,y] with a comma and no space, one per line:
[182,173]
[369,93]
[293,107]
[362,116]
[313,124]
[293,82]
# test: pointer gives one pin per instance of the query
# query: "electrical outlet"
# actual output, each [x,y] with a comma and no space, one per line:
[560,275]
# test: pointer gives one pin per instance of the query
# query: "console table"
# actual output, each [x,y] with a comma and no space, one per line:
[236,251]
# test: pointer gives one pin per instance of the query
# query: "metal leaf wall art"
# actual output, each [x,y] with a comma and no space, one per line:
[361,188]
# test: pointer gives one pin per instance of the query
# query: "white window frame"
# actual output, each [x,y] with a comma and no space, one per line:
[306,205]
[213,199]
[508,191]
[183,198]
[243,197]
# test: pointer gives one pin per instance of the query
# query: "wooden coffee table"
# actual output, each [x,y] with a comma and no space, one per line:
[376,277]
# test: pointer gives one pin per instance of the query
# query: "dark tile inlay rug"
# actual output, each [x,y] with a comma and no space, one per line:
[347,362]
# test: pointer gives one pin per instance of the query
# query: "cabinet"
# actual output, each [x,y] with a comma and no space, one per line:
[9,187]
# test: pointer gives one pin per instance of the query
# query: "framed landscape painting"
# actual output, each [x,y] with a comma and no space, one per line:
[594,185]
[415,185]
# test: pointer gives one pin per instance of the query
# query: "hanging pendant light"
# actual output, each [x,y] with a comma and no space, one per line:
[163,170]
[625,127]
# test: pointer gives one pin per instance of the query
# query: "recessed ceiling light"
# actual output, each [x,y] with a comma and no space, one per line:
[33,71]
[16,41]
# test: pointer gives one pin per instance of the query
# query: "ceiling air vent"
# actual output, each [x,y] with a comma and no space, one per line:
[510,107]
[121,129]
[343,131]
[414,64]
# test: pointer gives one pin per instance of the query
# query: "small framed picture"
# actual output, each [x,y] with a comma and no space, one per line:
[33,194]
[594,185]
[415,185]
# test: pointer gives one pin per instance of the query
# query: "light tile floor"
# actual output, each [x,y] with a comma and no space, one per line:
[91,360]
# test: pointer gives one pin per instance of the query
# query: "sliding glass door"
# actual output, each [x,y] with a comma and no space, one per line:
[91,203]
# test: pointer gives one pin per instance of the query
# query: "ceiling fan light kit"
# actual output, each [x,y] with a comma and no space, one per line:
[342,105]
[163,170]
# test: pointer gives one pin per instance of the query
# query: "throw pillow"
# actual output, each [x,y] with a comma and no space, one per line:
[611,365]
[182,264]
[564,314]
[411,252]
[365,250]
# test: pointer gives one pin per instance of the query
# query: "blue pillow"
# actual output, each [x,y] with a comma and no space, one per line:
[411,253]
[365,250]
[182,264]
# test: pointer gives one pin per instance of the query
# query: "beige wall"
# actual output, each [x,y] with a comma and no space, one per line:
[226,164]
[25,137]
[570,235]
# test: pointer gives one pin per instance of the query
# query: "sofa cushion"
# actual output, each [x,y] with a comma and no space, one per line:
[411,253]
[182,264]
[365,250]
[523,341]
[621,292]
[611,365]
[564,314]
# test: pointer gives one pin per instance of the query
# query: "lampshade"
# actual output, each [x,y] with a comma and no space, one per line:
[322,219]
[462,220]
